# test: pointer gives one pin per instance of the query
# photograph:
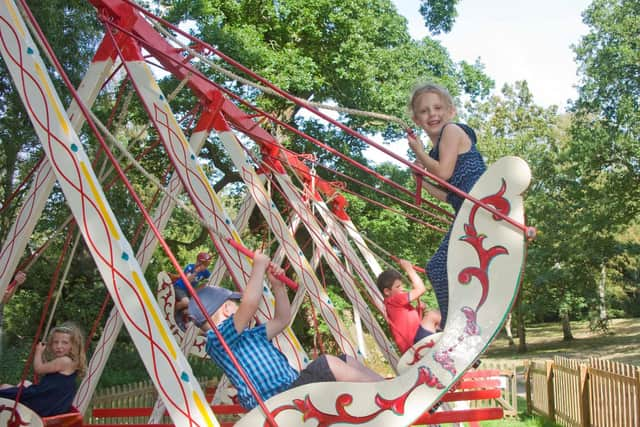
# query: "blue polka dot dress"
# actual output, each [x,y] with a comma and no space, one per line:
[469,167]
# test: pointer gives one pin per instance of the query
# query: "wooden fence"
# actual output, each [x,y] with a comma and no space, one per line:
[584,393]
[137,395]
[508,401]
[144,395]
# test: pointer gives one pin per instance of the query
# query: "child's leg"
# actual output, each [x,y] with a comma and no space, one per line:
[437,273]
[431,321]
[182,304]
[351,370]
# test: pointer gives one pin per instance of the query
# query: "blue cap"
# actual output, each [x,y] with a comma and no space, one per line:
[212,298]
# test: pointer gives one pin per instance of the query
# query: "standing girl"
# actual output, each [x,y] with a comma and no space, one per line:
[453,158]
[58,362]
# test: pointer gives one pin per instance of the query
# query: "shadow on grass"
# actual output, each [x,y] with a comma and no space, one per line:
[545,342]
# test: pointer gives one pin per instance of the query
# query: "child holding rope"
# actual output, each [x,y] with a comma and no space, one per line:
[18,279]
[263,363]
[59,362]
[195,273]
[453,158]
[407,324]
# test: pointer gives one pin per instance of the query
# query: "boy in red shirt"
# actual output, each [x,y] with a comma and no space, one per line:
[406,321]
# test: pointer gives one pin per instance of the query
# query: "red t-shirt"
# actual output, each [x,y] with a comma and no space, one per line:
[404,319]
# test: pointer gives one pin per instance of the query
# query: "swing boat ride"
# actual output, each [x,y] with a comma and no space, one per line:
[486,251]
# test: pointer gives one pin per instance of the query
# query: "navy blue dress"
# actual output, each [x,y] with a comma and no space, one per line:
[469,167]
[53,395]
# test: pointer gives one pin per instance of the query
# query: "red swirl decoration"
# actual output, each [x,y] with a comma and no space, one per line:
[485,256]
[310,411]
[16,421]
[416,352]
[476,240]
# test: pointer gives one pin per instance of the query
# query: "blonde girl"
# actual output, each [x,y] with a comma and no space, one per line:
[453,157]
[59,362]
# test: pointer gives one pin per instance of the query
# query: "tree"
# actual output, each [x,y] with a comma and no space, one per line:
[606,129]
[603,157]
[439,15]
[356,54]
[512,124]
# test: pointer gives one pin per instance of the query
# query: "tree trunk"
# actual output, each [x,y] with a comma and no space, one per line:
[522,338]
[604,317]
[507,330]
[566,326]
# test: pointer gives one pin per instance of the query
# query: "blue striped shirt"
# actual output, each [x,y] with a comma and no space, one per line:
[266,367]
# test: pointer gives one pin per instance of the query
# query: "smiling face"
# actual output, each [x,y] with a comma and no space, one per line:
[431,113]
[61,344]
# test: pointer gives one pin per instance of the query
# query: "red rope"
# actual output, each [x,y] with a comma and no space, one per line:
[528,231]
[130,188]
[270,117]
[52,287]
[24,181]
[119,97]
[389,195]
[411,217]
[284,279]
[94,327]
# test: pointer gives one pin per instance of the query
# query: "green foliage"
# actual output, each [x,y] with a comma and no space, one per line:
[606,129]
[13,357]
[439,15]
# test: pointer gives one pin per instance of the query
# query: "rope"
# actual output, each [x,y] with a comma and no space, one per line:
[24,181]
[26,265]
[137,165]
[62,282]
[529,232]
[38,334]
[268,90]
[92,124]
[316,141]
[377,190]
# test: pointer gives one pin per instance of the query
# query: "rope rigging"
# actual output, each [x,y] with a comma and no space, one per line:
[529,232]
[271,162]
[110,137]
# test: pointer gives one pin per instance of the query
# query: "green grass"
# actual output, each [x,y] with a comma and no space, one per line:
[544,341]
[524,420]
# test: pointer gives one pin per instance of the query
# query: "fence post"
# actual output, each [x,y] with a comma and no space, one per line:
[585,415]
[527,385]
[550,397]
[637,375]
[514,389]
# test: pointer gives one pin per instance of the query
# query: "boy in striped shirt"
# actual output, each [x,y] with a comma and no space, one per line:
[265,366]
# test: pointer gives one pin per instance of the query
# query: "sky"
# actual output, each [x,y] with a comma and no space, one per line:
[515,40]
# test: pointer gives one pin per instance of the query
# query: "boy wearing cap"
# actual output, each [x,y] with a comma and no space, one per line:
[265,366]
